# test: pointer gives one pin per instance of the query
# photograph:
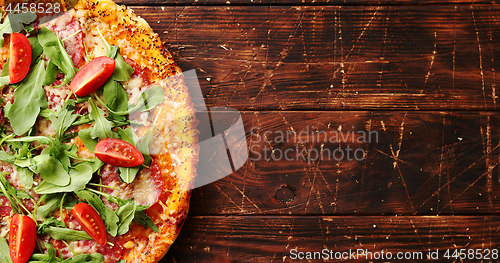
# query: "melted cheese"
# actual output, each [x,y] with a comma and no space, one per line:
[4,226]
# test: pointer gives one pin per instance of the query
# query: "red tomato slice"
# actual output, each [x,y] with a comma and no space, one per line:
[20,57]
[92,76]
[90,221]
[22,238]
[118,153]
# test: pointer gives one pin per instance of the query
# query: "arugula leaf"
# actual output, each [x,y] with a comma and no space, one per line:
[52,202]
[36,49]
[51,74]
[13,23]
[25,177]
[22,194]
[143,145]
[29,98]
[51,251]
[128,135]
[51,221]
[86,258]
[102,127]
[50,169]
[4,76]
[30,29]
[56,149]
[126,214]
[67,234]
[83,119]
[122,70]
[4,251]
[53,47]
[63,119]
[127,174]
[116,98]
[9,192]
[87,139]
[95,164]
[80,176]
[148,99]
[7,157]
[108,216]
[143,219]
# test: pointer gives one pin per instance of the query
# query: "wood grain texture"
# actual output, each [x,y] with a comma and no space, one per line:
[349,58]
[312,163]
[270,239]
[422,77]
[301,2]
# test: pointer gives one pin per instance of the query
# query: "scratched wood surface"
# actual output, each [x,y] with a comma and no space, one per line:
[410,57]
[422,77]
[303,3]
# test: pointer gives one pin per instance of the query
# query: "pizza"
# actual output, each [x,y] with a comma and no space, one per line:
[98,137]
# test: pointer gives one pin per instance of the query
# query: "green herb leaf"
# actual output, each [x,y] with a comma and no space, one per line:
[67,234]
[63,119]
[143,145]
[9,192]
[102,127]
[122,70]
[143,219]
[36,49]
[52,202]
[25,177]
[108,216]
[51,251]
[80,176]
[116,98]
[127,174]
[128,135]
[83,119]
[51,221]
[50,169]
[87,139]
[51,73]
[56,149]
[29,98]
[14,23]
[4,76]
[95,164]
[126,214]
[4,251]
[53,47]
[86,258]
[7,157]
[148,99]
[22,194]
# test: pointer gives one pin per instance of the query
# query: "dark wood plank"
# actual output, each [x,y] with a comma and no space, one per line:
[271,239]
[300,2]
[349,57]
[423,163]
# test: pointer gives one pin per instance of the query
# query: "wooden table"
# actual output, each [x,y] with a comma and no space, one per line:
[421,75]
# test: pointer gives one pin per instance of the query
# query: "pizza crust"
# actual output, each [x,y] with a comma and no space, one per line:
[175,133]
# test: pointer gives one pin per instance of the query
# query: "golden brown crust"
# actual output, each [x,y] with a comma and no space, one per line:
[175,128]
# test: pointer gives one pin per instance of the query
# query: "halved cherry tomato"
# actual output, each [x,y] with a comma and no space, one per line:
[118,153]
[20,57]
[90,221]
[92,76]
[22,238]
